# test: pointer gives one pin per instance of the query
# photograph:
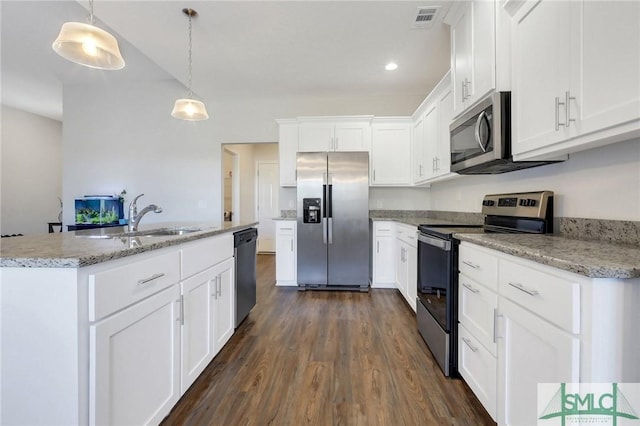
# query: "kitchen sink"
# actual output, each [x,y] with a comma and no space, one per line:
[162,232]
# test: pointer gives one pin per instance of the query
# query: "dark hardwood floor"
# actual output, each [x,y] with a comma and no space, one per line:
[326,358]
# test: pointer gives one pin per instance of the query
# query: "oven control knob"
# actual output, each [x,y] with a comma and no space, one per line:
[531,203]
[524,202]
[488,203]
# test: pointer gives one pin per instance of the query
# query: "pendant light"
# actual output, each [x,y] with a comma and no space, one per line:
[88,45]
[189,108]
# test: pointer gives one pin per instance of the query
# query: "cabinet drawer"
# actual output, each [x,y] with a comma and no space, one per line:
[478,367]
[384,228]
[478,265]
[202,254]
[286,227]
[477,307]
[113,289]
[555,299]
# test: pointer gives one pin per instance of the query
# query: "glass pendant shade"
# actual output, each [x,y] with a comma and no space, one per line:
[88,45]
[189,109]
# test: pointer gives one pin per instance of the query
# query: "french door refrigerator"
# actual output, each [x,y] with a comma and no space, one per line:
[333,220]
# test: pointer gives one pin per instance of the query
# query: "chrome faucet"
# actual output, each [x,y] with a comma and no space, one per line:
[134,216]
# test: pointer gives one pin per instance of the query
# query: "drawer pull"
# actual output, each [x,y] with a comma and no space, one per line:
[471,265]
[524,289]
[468,342]
[286,229]
[151,278]
[471,288]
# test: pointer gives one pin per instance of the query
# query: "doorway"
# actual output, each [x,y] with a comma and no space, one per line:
[230,187]
[267,207]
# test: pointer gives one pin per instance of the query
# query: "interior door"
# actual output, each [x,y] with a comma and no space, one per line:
[267,206]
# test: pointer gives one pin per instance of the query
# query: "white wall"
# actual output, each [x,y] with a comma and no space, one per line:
[121,136]
[31,148]
[602,183]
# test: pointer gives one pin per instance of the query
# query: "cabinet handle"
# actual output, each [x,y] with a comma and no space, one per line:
[463,96]
[374,175]
[437,164]
[377,246]
[466,86]
[291,246]
[335,147]
[215,288]
[495,325]
[151,278]
[433,164]
[471,265]
[524,289]
[558,123]
[567,99]
[219,281]
[286,229]
[181,309]
[468,342]
[471,288]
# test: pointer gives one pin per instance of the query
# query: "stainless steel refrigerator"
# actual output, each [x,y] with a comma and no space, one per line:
[333,220]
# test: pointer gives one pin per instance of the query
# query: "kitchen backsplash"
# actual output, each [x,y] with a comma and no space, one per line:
[613,231]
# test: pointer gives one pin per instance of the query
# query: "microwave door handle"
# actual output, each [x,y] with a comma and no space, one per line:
[483,145]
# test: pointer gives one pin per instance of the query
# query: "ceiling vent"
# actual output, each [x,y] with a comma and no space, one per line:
[426,17]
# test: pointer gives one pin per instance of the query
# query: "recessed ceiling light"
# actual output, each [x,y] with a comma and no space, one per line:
[391,66]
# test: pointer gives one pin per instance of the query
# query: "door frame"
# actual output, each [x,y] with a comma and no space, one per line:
[256,191]
[235,184]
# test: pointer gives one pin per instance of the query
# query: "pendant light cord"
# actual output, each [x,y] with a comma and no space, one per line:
[92,20]
[190,92]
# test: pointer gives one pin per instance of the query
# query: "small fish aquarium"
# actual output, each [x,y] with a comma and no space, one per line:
[98,210]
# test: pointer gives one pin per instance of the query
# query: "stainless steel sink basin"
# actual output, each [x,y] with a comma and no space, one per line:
[162,232]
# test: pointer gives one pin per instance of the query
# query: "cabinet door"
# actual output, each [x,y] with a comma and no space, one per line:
[352,137]
[445,114]
[483,65]
[135,362]
[412,276]
[531,351]
[224,304]
[285,253]
[384,271]
[431,139]
[606,51]
[419,166]
[315,137]
[541,73]
[391,152]
[477,306]
[197,333]
[461,56]
[401,267]
[287,149]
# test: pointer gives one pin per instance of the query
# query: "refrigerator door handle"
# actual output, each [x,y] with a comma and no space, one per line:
[330,230]
[324,230]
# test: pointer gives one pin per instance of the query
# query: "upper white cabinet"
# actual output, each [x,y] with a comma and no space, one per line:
[391,152]
[334,134]
[575,76]
[431,139]
[287,149]
[474,25]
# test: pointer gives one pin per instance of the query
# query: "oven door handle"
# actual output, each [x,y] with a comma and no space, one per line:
[436,242]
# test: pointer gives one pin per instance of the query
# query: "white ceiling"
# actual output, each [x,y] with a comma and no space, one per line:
[241,49]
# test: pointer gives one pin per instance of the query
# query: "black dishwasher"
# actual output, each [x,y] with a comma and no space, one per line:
[244,243]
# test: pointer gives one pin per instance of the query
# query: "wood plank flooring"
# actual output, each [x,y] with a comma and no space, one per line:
[326,358]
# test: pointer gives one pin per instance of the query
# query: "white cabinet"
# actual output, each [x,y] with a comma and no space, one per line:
[208,318]
[431,139]
[334,134]
[575,76]
[391,152]
[286,253]
[473,51]
[383,256]
[287,149]
[406,247]
[523,323]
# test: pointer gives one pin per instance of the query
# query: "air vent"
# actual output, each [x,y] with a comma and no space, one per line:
[426,17]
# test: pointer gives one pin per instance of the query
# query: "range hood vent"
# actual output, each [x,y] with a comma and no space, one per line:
[426,17]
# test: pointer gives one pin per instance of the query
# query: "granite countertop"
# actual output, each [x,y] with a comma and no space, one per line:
[594,259]
[88,247]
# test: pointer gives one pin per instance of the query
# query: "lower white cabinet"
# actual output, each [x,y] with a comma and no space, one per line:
[531,351]
[207,318]
[286,253]
[383,255]
[523,323]
[407,263]
[135,362]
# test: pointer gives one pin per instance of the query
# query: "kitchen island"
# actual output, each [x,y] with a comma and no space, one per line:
[101,327]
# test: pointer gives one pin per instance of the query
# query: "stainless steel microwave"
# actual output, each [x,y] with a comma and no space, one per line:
[481,139]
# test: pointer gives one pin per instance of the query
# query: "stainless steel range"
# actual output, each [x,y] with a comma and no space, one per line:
[437,307]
